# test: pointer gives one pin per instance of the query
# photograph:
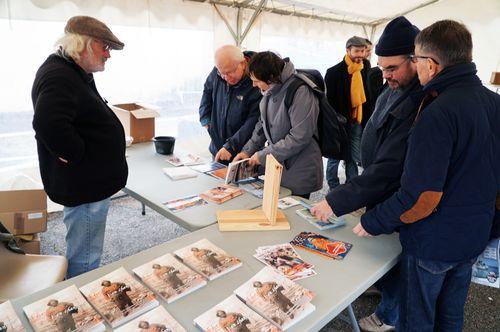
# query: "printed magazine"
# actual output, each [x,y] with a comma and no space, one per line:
[240,170]
[221,194]
[485,270]
[322,225]
[66,310]
[322,245]
[180,204]
[119,297]
[284,259]
[169,278]
[208,259]
[277,298]
[9,322]
[233,315]
[156,320]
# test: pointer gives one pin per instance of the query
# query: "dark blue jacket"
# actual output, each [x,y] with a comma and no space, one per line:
[446,204]
[231,112]
[380,179]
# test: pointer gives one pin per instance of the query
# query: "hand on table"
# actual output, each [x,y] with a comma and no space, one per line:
[322,211]
[223,154]
[360,231]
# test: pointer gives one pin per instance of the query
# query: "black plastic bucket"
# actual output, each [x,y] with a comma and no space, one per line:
[164,144]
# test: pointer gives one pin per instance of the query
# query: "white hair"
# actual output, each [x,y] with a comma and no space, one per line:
[229,53]
[71,45]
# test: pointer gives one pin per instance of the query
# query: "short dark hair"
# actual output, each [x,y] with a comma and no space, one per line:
[368,42]
[266,67]
[449,41]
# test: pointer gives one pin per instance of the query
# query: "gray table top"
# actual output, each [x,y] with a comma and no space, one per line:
[148,184]
[337,284]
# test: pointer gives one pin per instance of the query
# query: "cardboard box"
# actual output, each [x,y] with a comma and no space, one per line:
[30,246]
[24,211]
[137,120]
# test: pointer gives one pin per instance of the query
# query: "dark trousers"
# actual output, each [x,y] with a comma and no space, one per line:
[433,294]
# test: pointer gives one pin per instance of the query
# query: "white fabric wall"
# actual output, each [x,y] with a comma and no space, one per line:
[482,18]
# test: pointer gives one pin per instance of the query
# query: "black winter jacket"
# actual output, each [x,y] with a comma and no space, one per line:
[73,122]
[230,112]
[338,90]
[382,178]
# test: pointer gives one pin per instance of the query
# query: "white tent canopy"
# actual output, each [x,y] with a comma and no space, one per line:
[170,44]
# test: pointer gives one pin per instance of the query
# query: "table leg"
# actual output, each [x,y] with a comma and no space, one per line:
[143,212]
[354,321]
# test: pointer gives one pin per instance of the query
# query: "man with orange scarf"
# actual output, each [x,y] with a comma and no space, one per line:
[346,89]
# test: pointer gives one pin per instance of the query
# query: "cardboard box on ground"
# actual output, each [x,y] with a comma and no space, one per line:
[30,243]
[138,120]
[24,211]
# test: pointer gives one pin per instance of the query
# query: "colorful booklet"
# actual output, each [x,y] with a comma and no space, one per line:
[322,225]
[180,204]
[485,270]
[287,202]
[322,245]
[276,298]
[169,278]
[208,259]
[210,167]
[184,160]
[66,310]
[253,186]
[179,173]
[156,320]
[218,173]
[9,321]
[221,194]
[233,315]
[118,297]
[241,170]
[285,260]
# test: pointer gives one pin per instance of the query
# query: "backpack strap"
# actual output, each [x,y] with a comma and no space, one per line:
[299,79]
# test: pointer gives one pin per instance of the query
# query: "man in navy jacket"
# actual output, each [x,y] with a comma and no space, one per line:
[229,107]
[446,204]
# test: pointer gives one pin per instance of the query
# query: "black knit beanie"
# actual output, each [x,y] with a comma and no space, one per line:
[398,38]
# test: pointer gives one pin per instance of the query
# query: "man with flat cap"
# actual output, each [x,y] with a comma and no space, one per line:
[347,92]
[81,143]
[383,151]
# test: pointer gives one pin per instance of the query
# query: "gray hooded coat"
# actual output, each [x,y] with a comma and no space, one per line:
[289,134]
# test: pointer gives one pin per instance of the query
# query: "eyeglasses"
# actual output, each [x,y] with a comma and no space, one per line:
[391,69]
[105,47]
[414,58]
[229,73]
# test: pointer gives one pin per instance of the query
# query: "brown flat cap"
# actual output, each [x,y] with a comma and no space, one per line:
[89,26]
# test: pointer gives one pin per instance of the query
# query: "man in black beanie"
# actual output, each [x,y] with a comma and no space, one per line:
[383,150]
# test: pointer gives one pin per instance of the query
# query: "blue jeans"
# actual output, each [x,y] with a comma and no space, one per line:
[433,294]
[388,309]
[85,225]
[351,167]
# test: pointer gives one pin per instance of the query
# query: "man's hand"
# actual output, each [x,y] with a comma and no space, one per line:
[240,156]
[322,210]
[254,160]
[206,126]
[223,154]
[360,231]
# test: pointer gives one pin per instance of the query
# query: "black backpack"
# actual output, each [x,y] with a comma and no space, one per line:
[333,137]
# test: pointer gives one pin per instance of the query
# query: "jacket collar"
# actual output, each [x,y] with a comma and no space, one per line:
[456,75]
[89,78]
[414,93]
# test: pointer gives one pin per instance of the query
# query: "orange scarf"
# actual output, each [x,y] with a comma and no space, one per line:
[358,96]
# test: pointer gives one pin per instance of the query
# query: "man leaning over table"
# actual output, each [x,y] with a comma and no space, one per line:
[445,207]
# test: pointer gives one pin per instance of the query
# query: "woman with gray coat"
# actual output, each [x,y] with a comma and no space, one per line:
[288,132]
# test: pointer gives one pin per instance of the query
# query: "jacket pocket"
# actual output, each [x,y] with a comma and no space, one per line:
[435,267]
